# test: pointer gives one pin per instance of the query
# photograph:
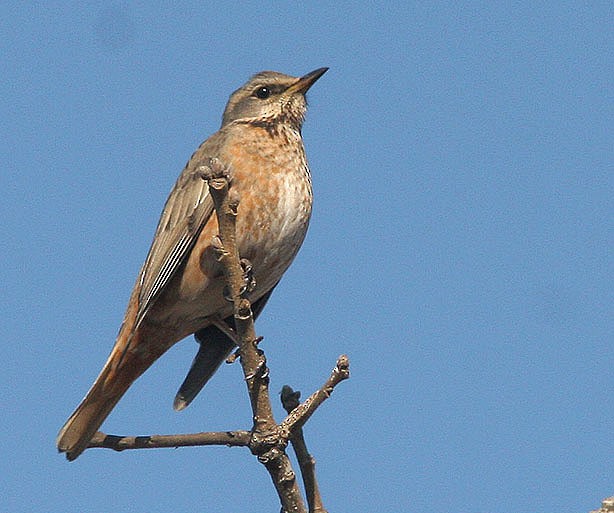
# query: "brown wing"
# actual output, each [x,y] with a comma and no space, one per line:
[187,210]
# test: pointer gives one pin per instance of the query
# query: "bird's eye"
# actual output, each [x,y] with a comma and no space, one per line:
[263,93]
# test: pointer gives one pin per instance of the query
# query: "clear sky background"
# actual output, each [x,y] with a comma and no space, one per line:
[459,251]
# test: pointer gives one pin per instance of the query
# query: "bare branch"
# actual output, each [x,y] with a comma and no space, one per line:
[122,443]
[297,416]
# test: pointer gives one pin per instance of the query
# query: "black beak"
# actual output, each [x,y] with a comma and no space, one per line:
[306,81]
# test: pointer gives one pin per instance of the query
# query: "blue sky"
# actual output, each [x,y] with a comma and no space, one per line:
[459,251]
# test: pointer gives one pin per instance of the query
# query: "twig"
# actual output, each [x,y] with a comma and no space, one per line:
[298,414]
[121,443]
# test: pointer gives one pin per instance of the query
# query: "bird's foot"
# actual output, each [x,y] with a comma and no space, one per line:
[214,169]
[249,282]
[261,370]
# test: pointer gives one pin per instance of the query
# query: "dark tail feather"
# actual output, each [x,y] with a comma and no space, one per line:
[215,347]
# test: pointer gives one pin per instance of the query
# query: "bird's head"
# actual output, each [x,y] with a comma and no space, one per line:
[271,97]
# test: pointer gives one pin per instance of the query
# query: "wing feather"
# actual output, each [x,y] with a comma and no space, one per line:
[187,210]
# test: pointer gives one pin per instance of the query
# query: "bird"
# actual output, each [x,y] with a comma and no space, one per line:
[179,290]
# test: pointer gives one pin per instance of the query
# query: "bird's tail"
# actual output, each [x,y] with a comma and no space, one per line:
[122,368]
[215,347]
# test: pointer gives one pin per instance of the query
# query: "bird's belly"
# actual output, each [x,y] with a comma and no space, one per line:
[270,174]
[272,222]
[273,215]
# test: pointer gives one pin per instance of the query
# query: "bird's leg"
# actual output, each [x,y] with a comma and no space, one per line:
[227,330]
[221,325]
[261,370]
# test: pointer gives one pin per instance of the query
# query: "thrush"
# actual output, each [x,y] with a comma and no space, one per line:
[180,288]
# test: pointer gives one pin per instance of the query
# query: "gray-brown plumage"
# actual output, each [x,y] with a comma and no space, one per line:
[179,290]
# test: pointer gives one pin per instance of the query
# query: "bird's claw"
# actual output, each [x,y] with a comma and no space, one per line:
[248,276]
[261,371]
[249,282]
[214,169]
